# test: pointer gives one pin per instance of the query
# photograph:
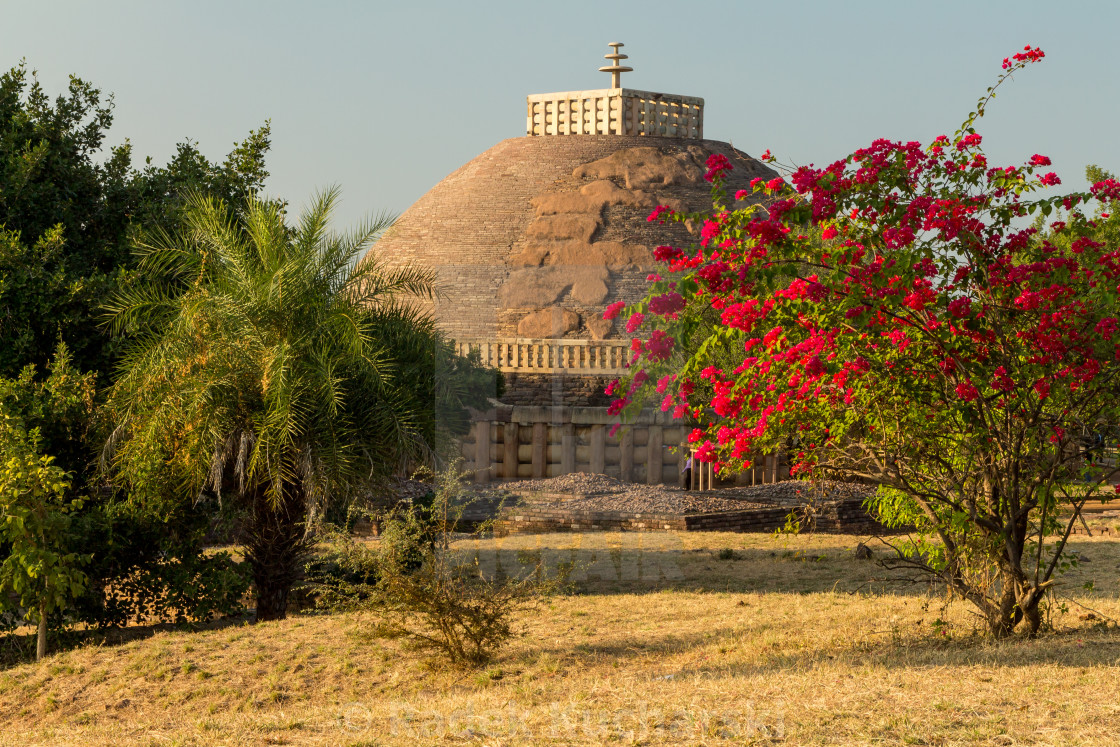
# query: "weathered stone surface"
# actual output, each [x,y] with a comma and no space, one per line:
[618,256]
[605,192]
[532,288]
[564,226]
[646,167]
[553,322]
[591,199]
[599,328]
[570,209]
[612,255]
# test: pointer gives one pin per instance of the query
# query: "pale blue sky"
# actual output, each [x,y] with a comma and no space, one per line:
[385,99]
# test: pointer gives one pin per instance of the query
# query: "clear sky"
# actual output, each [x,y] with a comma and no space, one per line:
[385,99]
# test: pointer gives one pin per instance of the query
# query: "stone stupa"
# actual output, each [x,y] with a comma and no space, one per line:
[532,239]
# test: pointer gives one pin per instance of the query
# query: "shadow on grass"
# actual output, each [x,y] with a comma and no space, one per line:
[636,563]
[1078,648]
[18,647]
[605,571]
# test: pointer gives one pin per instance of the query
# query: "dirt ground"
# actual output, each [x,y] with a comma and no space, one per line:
[665,638]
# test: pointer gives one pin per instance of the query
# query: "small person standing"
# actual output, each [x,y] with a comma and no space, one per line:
[687,473]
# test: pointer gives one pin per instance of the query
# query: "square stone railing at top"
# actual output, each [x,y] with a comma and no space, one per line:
[615,111]
[530,356]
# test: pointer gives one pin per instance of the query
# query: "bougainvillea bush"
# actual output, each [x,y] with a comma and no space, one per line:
[897,318]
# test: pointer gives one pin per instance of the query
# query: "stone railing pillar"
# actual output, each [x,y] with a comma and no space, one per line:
[509,455]
[482,452]
[568,449]
[598,449]
[654,456]
[626,461]
[540,450]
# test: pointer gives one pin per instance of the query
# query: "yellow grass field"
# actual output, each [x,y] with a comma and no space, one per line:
[790,641]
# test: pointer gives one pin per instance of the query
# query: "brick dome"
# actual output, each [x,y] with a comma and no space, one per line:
[533,238]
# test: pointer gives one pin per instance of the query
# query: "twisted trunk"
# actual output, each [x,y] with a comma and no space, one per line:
[1017,602]
[275,547]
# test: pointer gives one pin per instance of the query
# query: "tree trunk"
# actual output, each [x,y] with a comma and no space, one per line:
[1033,616]
[275,548]
[1017,602]
[41,643]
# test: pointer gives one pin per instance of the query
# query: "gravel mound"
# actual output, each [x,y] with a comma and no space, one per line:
[603,493]
[577,483]
[651,501]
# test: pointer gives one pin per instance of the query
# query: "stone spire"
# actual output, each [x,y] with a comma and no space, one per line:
[615,110]
[615,69]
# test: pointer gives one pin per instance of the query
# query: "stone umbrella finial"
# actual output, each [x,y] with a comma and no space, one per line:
[615,70]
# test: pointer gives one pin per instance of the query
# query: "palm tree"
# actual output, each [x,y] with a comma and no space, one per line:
[267,364]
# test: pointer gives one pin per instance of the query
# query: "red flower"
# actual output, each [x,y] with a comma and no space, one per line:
[967,391]
[1001,381]
[614,310]
[659,347]
[960,307]
[666,304]
[1027,56]
[708,232]
[718,165]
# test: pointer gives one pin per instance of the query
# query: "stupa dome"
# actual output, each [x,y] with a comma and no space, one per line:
[533,238]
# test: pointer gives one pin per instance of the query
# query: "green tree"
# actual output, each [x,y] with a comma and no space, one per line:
[926,344]
[35,507]
[68,211]
[268,365]
[145,552]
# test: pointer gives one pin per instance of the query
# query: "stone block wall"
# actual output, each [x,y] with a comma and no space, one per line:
[552,390]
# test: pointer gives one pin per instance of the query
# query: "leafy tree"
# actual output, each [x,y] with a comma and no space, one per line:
[143,554]
[270,365]
[35,508]
[42,436]
[68,211]
[927,343]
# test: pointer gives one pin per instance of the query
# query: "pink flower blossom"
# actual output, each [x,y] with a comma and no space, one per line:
[667,304]
[967,391]
[718,164]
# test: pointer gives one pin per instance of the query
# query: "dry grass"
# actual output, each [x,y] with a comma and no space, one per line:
[789,640]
